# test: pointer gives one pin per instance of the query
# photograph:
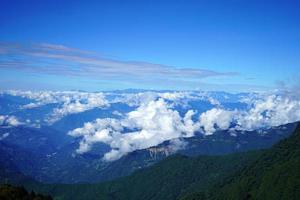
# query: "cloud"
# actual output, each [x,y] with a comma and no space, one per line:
[3,136]
[271,110]
[148,125]
[216,117]
[70,102]
[175,97]
[155,117]
[78,104]
[41,98]
[9,120]
[135,99]
[117,113]
[65,61]
[266,110]
[155,120]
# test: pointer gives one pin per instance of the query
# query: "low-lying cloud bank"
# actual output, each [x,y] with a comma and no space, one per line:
[156,121]
[269,111]
[156,117]
[9,120]
[149,125]
[70,102]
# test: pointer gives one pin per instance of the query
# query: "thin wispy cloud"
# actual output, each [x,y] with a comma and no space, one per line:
[54,59]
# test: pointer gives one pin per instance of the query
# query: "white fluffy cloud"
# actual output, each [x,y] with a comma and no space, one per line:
[149,125]
[135,99]
[77,104]
[69,101]
[153,118]
[176,97]
[271,110]
[9,120]
[216,117]
[3,136]
[155,121]
[40,97]
[265,111]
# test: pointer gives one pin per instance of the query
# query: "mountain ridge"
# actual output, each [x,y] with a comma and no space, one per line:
[191,178]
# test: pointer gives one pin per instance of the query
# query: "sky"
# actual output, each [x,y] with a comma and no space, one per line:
[229,45]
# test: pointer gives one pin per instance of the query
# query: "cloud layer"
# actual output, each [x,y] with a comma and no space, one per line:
[149,125]
[9,120]
[265,111]
[65,61]
[70,102]
[156,121]
[151,118]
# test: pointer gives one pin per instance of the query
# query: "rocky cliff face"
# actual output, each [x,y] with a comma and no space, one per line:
[156,152]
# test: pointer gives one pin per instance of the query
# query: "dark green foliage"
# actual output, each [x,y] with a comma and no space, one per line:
[274,175]
[177,175]
[173,177]
[8,192]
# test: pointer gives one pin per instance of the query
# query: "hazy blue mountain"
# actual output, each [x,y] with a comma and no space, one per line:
[76,120]
[11,103]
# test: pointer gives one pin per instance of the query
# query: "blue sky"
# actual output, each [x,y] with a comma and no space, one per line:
[181,45]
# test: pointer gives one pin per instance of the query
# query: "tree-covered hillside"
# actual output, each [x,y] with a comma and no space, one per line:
[265,174]
[8,192]
[274,175]
[170,179]
[268,174]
